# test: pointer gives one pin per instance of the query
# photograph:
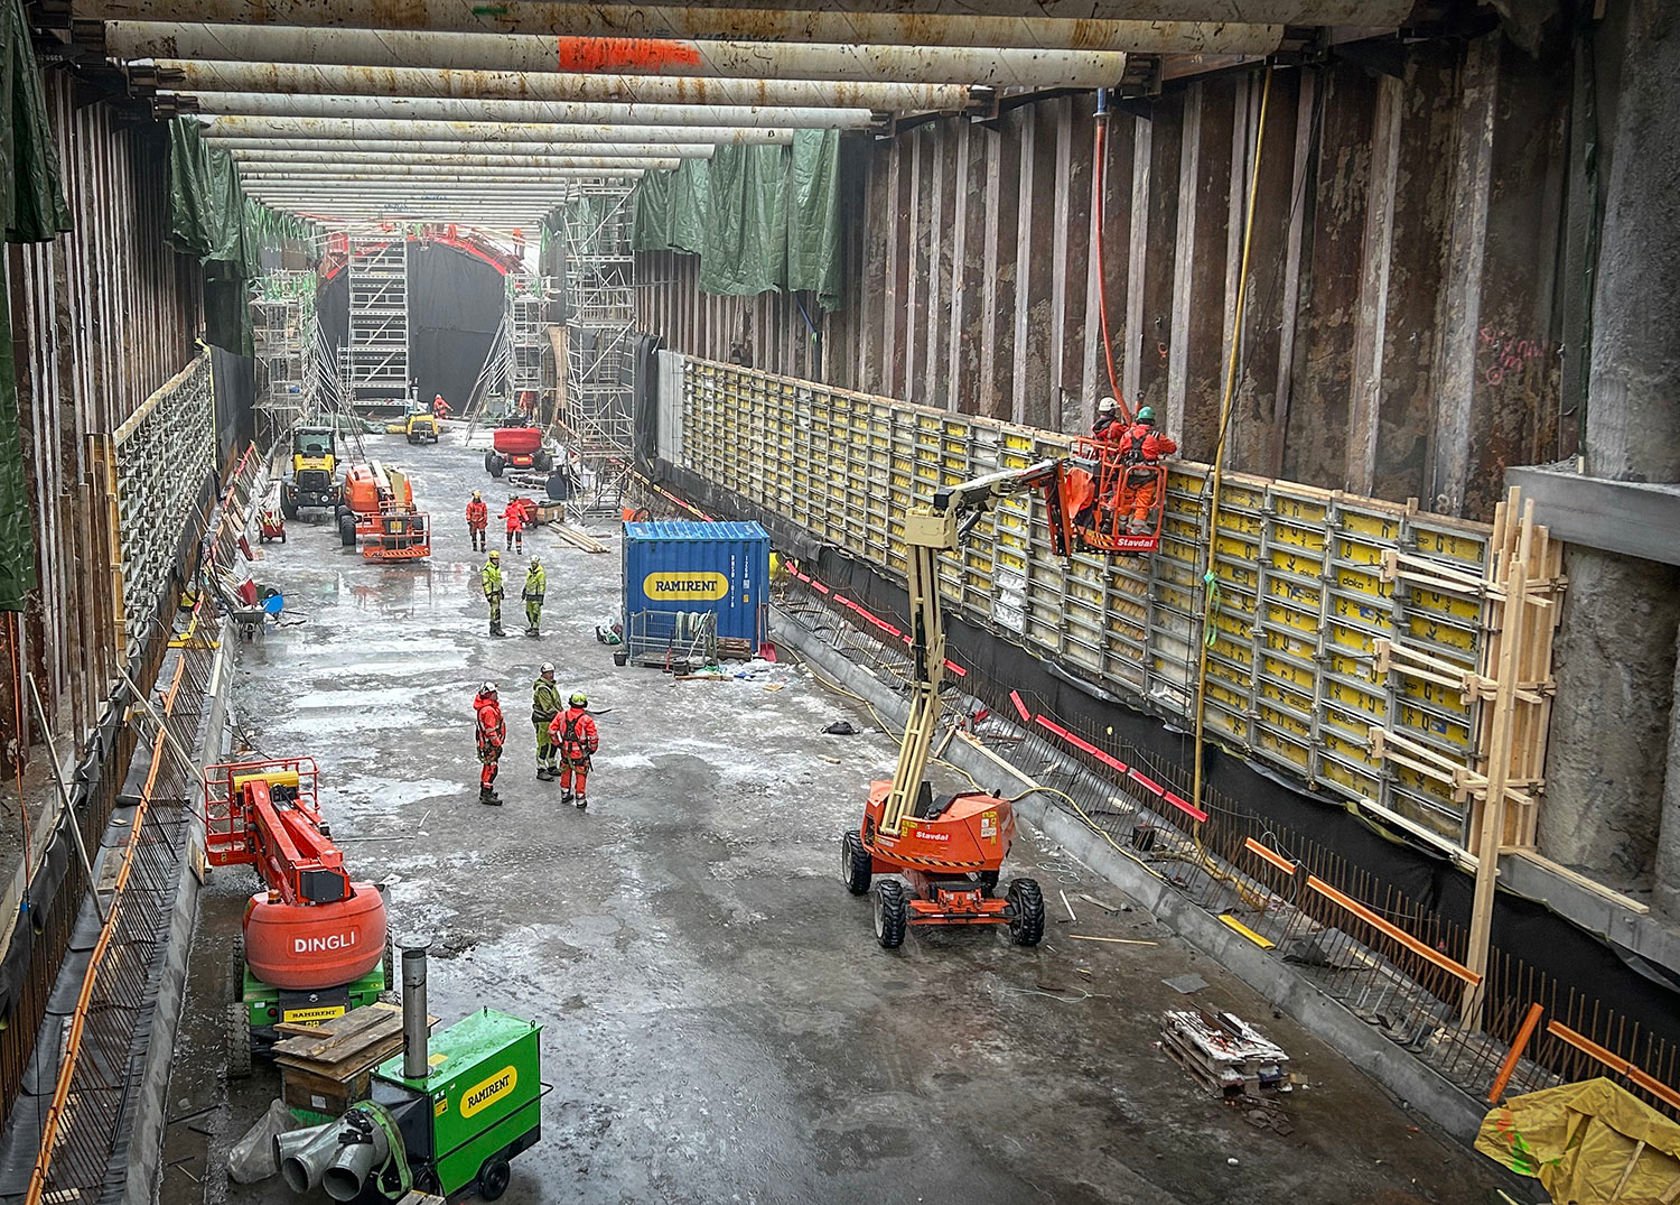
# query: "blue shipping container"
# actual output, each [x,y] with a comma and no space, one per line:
[697,568]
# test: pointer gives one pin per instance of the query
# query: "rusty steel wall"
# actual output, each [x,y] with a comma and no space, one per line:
[101,317]
[1401,332]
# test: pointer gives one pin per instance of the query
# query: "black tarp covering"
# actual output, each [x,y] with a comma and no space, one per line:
[235,380]
[1637,989]
[455,305]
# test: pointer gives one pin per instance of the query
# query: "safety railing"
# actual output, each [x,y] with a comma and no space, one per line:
[96,1073]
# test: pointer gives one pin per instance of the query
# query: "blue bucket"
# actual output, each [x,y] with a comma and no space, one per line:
[274,604]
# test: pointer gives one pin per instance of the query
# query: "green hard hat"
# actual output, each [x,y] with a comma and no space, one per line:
[1146,414]
[579,699]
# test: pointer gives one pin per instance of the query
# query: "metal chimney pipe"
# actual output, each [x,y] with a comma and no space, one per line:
[416,1055]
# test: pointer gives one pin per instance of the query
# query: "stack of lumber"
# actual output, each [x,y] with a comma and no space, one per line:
[577,537]
[325,1068]
[1224,1053]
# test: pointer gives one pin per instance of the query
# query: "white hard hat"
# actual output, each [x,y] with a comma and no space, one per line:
[489,688]
[547,668]
[1107,406]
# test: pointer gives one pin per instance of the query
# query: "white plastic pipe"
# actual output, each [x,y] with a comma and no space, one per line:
[403,150]
[265,159]
[484,131]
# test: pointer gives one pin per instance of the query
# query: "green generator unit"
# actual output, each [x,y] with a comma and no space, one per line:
[445,1116]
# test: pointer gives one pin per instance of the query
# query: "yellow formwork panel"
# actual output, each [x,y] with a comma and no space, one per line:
[1292,667]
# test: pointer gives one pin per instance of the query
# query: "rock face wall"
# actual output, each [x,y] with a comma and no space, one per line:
[1613,800]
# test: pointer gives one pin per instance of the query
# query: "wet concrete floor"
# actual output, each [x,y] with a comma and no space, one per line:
[719,1023]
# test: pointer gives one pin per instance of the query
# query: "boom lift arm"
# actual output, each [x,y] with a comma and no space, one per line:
[928,531]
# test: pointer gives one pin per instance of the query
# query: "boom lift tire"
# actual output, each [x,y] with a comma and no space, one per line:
[493,464]
[238,1041]
[542,462]
[855,864]
[1026,921]
[892,914]
[347,530]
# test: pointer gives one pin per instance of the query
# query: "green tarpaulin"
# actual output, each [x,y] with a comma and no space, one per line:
[759,217]
[33,197]
[211,218]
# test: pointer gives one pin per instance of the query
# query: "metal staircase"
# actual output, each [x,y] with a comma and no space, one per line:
[374,360]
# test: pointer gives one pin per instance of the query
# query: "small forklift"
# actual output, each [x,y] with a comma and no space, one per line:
[310,480]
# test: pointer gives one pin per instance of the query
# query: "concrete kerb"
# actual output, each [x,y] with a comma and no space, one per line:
[151,1109]
[1421,1087]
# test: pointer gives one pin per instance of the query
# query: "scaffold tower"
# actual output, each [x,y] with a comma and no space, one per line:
[284,329]
[595,223]
[374,362]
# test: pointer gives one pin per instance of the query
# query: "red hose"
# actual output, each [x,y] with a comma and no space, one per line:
[1100,176]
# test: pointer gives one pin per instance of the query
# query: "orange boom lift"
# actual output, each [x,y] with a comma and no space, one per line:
[315,942]
[948,851]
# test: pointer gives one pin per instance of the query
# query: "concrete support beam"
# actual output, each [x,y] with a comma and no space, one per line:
[1612,803]
[182,75]
[341,128]
[1631,518]
[968,246]
[370,160]
[1004,67]
[1206,177]
[310,150]
[1154,275]
[383,108]
[1371,319]
[1160,31]
[1035,270]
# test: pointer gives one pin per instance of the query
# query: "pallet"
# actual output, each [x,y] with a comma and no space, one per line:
[327,1068]
[1225,1054]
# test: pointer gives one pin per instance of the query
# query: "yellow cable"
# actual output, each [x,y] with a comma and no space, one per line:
[1211,578]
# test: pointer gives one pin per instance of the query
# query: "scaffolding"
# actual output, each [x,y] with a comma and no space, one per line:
[530,365]
[373,364]
[283,330]
[595,222]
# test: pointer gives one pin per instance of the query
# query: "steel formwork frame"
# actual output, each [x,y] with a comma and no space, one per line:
[595,219]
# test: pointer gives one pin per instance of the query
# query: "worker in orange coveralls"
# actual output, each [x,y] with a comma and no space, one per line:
[440,408]
[1141,449]
[1110,425]
[573,733]
[515,516]
[492,732]
[478,518]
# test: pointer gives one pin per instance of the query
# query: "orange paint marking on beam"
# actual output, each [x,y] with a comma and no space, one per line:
[1426,952]
[615,54]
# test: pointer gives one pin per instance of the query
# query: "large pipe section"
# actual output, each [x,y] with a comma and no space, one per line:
[1146,26]
[387,108]
[250,169]
[262,159]
[408,150]
[1017,67]
[184,75]
[483,131]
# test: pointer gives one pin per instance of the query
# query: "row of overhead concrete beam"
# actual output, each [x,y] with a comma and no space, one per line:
[362,102]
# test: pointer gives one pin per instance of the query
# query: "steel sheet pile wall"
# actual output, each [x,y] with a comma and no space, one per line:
[1305,595]
[1412,267]
[165,456]
[102,318]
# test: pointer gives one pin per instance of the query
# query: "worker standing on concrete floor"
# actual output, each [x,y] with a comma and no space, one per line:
[478,518]
[1141,448]
[536,586]
[514,513]
[492,733]
[491,577]
[1108,428]
[574,735]
[545,705]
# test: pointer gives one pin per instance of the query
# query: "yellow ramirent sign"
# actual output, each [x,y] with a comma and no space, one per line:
[694,586]
[487,1092]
